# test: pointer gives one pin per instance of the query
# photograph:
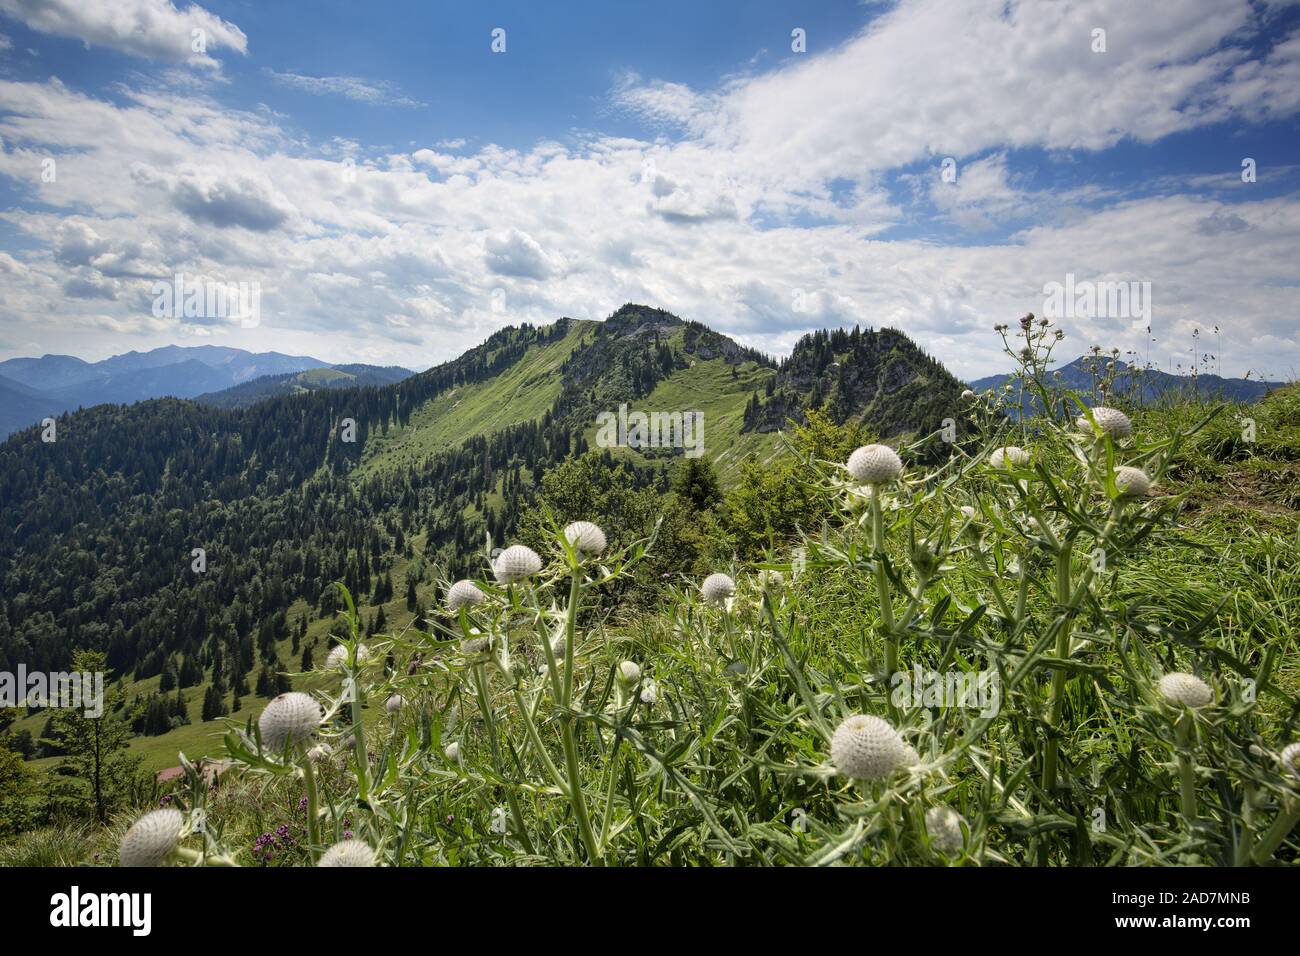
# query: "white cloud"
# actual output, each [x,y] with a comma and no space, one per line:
[371,92]
[769,185]
[153,29]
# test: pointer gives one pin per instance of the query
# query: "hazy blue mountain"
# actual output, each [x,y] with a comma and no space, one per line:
[330,376]
[55,383]
[1155,384]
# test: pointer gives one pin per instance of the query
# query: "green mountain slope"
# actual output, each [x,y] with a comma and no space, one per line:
[98,529]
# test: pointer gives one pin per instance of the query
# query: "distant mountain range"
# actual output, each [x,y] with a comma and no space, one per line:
[1155,384]
[33,388]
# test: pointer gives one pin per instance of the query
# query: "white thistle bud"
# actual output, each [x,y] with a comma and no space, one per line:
[874,464]
[1010,456]
[1132,482]
[1290,759]
[967,395]
[452,752]
[910,757]
[288,719]
[464,594]
[348,853]
[337,658]
[322,751]
[717,588]
[865,747]
[1110,421]
[516,563]
[628,673]
[587,539]
[943,824]
[773,578]
[649,695]
[1185,690]
[394,703]
[151,838]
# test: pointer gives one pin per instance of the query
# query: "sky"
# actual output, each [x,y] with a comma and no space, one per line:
[393,181]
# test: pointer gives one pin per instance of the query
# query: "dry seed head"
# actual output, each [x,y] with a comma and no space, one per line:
[1185,690]
[288,719]
[587,539]
[464,594]
[1010,456]
[943,824]
[717,588]
[1110,421]
[151,838]
[348,853]
[516,563]
[1132,482]
[865,747]
[875,464]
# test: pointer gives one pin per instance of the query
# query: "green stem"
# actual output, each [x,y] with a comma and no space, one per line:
[882,583]
[313,809]
[1186,774]
[1277,833]
[489,720]
[576,798]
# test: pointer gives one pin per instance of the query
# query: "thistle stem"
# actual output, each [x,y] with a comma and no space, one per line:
[1277,833]
[882,583]
[1186,773]
[313,809]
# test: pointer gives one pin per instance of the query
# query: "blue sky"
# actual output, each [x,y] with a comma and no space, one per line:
[397,190]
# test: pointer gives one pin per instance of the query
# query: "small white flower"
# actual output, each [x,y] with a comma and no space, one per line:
[943,824]
[874,464]
[348,853]
[1110,421]
[1290,759]
[288,719]
[587,539]
[516,563]
[649,695]
[866,747]
[394,703]
[452,752]
[772,578]
[464,594]
[1185,690]
[1132,482]
[628,673]
[1010,456]
[337,658]
[151,838]
[717,588]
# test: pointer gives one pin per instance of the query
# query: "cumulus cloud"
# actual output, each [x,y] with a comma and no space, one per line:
[762,207]
[153,29]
